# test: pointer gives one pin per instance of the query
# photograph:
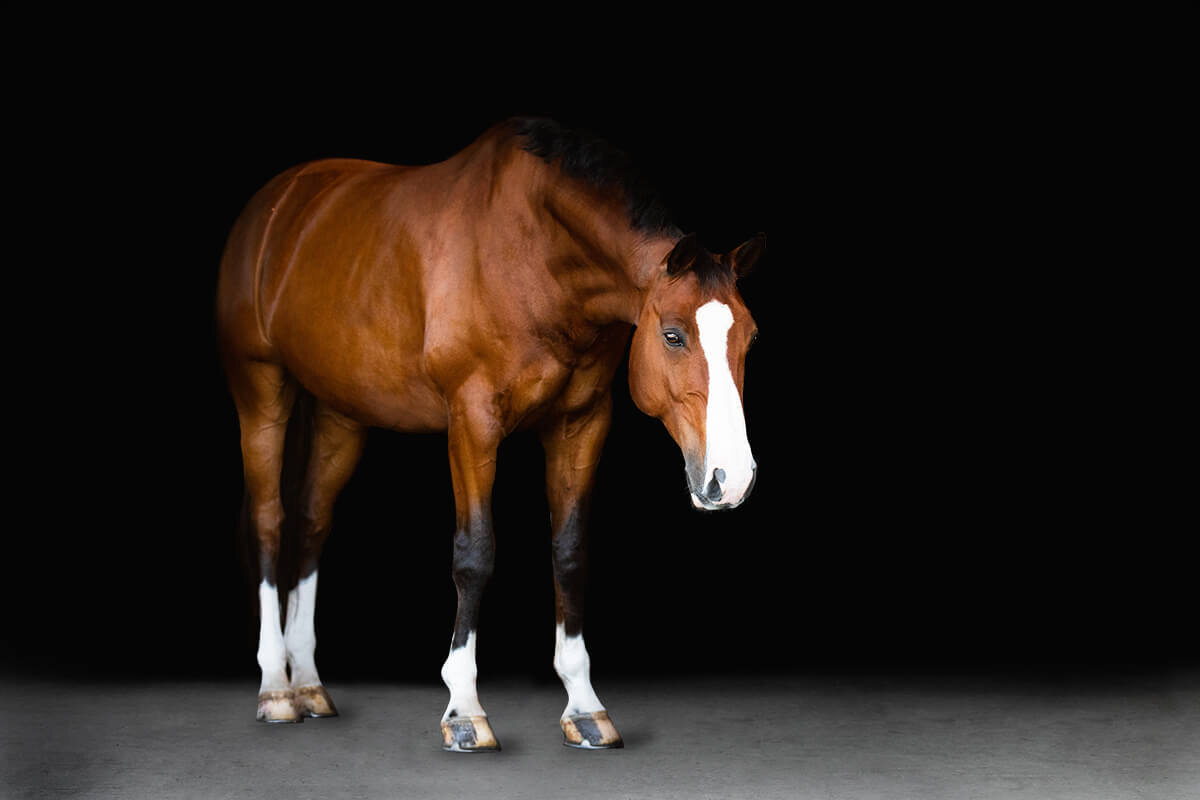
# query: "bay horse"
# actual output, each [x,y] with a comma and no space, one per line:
[492,292]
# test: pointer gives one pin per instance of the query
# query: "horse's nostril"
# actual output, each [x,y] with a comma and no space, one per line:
[719,475]
[714,487]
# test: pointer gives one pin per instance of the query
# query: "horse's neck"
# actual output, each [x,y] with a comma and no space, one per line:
[610,264]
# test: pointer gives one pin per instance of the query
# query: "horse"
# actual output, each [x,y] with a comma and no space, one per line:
[495,291]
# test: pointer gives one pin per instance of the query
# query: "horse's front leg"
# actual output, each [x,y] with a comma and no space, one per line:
[573,444]
[474,438]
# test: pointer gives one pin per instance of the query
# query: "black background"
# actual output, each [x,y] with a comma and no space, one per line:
[960,441]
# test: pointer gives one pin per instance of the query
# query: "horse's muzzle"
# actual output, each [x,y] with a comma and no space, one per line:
[714,496]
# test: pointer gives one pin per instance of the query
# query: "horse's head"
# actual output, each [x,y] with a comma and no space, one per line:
[687,362]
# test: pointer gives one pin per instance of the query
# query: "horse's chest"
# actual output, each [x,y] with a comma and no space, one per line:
[534,390]
[528,381]
[555,386]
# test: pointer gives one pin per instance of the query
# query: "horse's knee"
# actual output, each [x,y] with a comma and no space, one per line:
[570,564]
[472,573]
[568,546]
[474,557]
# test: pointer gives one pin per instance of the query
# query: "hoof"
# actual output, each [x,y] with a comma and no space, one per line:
[468,735]
[277,706]
[313,701]
[590,732]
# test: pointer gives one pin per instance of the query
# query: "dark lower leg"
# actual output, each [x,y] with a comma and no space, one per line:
[572,451]
[474,556]
[473,440]
[464,723]
[571,660]
[569,557]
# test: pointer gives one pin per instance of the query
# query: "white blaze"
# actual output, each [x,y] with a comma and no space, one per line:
[459,673]
[573,666]
[726,446]
[300,636]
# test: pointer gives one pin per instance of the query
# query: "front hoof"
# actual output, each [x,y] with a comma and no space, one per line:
[314,701]
[468,735]
[593,731]
[277,706]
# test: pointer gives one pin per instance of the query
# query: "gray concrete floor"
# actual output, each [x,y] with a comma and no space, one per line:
[756,738]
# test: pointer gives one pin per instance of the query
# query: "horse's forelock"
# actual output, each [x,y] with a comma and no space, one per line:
[689,256]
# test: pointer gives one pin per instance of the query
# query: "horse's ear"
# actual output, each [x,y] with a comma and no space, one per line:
[683,255]
[743,258]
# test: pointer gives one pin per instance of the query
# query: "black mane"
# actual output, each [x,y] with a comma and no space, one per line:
[589,159]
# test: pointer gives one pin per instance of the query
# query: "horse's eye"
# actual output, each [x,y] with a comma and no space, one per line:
[673,338]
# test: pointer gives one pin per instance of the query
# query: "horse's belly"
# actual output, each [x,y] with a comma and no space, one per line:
[409,404]
[360,350]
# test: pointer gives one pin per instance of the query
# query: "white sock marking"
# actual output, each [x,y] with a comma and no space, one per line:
[726,445]
[573,666]
[271,657]
[459,673]
[300,637]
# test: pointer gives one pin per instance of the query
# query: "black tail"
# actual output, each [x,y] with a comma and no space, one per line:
[249,552]
[297,445]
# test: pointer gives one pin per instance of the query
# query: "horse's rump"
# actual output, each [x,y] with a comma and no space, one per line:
[321,277]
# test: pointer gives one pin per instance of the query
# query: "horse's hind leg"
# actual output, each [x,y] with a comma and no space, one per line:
[336,448]
[264,395]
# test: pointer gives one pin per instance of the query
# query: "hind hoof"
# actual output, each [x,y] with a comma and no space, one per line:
[314,701]
[277,707]
[468,735]
[593,731]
